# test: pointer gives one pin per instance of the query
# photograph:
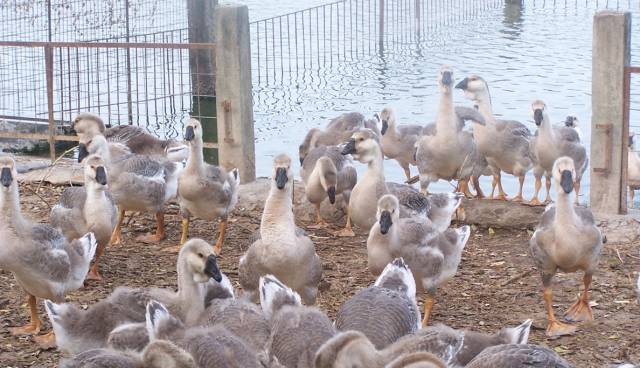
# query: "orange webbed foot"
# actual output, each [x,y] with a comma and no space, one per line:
[32,328]
[557,328]
[46,341]
[580,311]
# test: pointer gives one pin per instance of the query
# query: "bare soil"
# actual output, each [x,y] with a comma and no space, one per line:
[496,284]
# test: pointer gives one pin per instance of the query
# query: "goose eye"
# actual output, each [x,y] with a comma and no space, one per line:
[200,255]
[361,139]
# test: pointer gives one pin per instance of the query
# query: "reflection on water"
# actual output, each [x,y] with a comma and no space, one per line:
[541,50]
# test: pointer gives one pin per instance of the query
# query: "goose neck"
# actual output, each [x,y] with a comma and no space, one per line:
[565,213]
[546,130]
[10,206]
[277,218]
[445,122]
[196,156]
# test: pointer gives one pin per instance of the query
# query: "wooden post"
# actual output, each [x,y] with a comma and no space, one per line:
[611,54]
[202,63]
[233,87]
[381,27]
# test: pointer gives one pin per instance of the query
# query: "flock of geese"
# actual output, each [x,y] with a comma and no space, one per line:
[411,246]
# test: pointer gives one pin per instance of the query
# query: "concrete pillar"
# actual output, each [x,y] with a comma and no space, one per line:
[233,87]
[611,54]
[202,62]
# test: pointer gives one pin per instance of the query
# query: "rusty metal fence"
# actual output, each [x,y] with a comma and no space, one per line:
[146,83]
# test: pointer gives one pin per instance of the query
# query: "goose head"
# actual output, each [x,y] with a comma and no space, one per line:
[198,259]
[328,177]
[8,174]
[93,144]
[564,174]
[445,79]
[363,146]
[87,123]
[348,349]
[193,131]
[475,88]
[538,109]
[388,212]
[309,143]
[386,117]
[571,121]
[282,175]
[95,170]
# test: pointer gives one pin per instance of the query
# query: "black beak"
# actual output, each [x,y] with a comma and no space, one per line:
[630,140]
[301,161]
[82,152]
[385,126]
[331,192]
[463,84]
[377,116]
[189,134]
[5,177]
[566,181]
[101,175]
[385,222]
[281,177]
[447,78]
[211,268]
[537,116]
[350,147]
[569,121]
[415,154]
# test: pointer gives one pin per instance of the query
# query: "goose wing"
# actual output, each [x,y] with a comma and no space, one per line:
[412,202]
[47,258]
[518,355]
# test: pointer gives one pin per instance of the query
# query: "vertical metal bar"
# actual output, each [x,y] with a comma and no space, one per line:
[128,64]
[48,62]
[49,33]
[381,27]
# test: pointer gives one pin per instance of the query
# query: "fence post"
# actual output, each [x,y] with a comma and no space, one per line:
[202,63]
[381,27]
[233,87]
[611,54]
[48,64]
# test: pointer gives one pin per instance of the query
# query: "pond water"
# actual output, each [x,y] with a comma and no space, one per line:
[541,50]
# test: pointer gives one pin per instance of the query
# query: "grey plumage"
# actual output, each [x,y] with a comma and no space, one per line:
[129,337]
[511,355]
[103,358]
[217,347]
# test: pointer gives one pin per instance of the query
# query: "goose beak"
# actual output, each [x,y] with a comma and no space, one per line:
[82,152]
[415,154]
[537,116]
[301,160]
[281,177]
[385,222]
[6,178]
[211,268]
[463,84]
[385,126]
[331,192]
[101,175]
[350,147]
[630,141]
[189,135]
[447,78]
[566,181]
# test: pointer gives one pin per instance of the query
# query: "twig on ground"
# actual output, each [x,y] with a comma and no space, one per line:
[517,277]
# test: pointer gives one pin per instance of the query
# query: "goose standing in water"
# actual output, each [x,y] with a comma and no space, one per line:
[397,141]
[337,131]
[326,173]
[44,264]
[281,250]
[567,239]
[364,147]
[504,143]
[137,182]
[135,138]
[633,170]
[205,191]
[88,209]
[432,256]
[550,143]
[451,153]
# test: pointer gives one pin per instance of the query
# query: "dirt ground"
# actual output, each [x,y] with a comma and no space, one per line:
[496,285]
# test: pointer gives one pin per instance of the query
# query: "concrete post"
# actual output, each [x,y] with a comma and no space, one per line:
[233,87]
[611,54]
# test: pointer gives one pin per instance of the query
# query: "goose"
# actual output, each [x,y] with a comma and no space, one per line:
[158,354]
[211,346]
[136,139]
[566,239]
[417,360]
[455,348]
[337,131]
[326,173]
[297,331]
[504,143]
[571,121]
[385,311]
[42,261]
[518,355]
[432,256]
[551,142]
[363,200]
[633,170]
[137,182]
[280,251]
[450,153]
[79,330]
[206,191]
[87,209]
[397,141]
[130,336]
